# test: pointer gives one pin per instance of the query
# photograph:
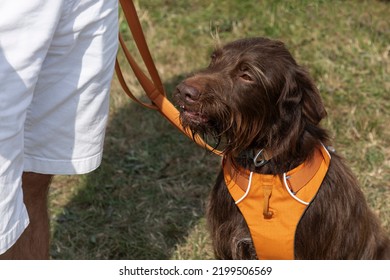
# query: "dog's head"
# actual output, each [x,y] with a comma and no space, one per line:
[252,95]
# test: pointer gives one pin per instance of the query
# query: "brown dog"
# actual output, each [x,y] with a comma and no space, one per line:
[253,96]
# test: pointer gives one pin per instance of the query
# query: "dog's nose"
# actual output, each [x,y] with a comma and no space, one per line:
[189,93]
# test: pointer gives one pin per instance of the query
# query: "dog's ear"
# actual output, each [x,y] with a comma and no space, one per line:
[313,108]
[299,106]
[300,98]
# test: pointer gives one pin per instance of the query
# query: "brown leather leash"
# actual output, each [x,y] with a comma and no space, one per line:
[152,86]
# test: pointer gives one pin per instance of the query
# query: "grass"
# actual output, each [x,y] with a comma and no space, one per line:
[147,199]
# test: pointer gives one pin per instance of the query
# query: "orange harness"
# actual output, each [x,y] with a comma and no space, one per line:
[273,205]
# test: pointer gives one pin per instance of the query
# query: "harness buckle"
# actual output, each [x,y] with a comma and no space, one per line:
[259,159]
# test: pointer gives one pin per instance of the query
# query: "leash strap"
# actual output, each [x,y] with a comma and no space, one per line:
[152,86]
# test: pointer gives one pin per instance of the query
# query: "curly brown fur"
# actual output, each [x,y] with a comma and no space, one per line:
[253,95]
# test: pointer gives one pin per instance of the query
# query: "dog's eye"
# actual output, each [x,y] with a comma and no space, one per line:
[246,77]
[244,73]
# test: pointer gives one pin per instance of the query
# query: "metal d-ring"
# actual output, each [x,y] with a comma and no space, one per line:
[259,159]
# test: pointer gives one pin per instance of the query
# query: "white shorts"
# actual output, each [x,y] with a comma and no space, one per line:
[56,65]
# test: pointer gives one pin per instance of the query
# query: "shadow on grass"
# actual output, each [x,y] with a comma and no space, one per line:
[144,199]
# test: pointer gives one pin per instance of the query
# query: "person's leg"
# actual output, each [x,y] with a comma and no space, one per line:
[61,117]
[34,241]
[26,29]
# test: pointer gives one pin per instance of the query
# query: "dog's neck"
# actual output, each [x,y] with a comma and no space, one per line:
[280,156]
[257,160]
[270,166]
[259,157]
[274,162]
